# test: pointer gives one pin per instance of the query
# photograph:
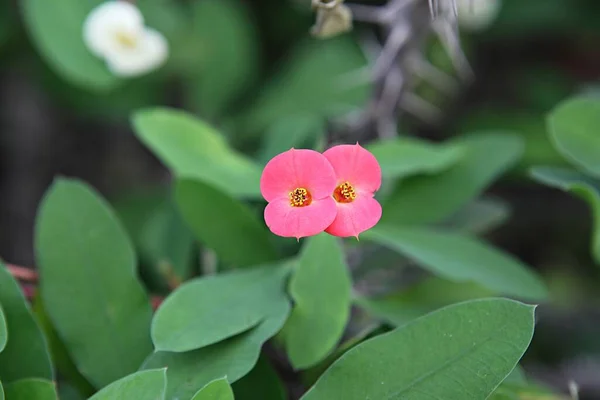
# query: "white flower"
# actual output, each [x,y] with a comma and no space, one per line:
[115,31]
[476,15]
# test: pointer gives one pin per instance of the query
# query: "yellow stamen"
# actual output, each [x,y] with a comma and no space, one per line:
[344,193]
[126,40]
[300,197]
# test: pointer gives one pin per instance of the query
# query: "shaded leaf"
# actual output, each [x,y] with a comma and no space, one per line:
[261,383]
[226,38]
[3,331]
[1,391]
[479,216]
[462,259]
[580,185]
[59,354]
[461,352]
[428,199]
[143,385]
[58,36]
[319,78]
[207,310]
[30,389]
[399,308]
[321,289]
[406,156]
[193,149]
[224,224]
[84,253]
[298,131]
[574,127]
[233,358]
[26,352]
[218,389]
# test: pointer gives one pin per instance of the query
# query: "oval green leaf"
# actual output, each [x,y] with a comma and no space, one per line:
[321,288]
[580,185]
[227,40]
[143,385]
[3,331]
[461,352]
[224,224]
[399,308]
[207,310]
[84,253]
[406,156]
[235,357]
[26,353]
[429,199]
[218,389]
[31,388]
[574,128]
[58,35]
[191,148]
[461,258]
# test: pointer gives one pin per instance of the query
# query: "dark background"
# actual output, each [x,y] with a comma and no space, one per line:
[538,53]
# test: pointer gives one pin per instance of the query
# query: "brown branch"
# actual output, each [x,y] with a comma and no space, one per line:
[28,278]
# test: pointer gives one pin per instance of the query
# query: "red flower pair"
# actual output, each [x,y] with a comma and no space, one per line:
[309,192]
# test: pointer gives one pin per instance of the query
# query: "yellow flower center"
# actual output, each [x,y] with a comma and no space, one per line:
[344,193]
[300,197]
[126,40]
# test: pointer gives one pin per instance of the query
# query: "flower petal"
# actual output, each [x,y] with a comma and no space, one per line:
[149,54]
[294,169]
[287,221]
[104,22]
[355,164]
[355,217]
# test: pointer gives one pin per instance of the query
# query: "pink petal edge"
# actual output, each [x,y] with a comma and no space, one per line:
[287,221]
[356,217]
[355,164]
[296,168]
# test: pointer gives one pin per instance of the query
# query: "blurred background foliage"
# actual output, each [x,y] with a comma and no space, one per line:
[251,69]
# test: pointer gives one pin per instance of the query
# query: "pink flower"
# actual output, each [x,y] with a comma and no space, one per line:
[298,184]
[358,177]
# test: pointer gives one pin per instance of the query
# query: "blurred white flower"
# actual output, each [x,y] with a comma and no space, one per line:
[476,15]
[115,31]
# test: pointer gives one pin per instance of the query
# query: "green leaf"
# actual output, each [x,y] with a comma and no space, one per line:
[399,308]
[60,357]
[143,385]
[26,352]
[218,389]
[461,352]
[227,40]
[224,224]
[233,358]
[84,253]
[319,78]
[3,331]
[31,388]
[462,259]
[166,245]
[261,383]
[1,391]
[193,149]
[574,128]
[580,185]
[208,310]
[297,131]
[406,156]
[479,216]
[429,199]
[58,36]
[321,289]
